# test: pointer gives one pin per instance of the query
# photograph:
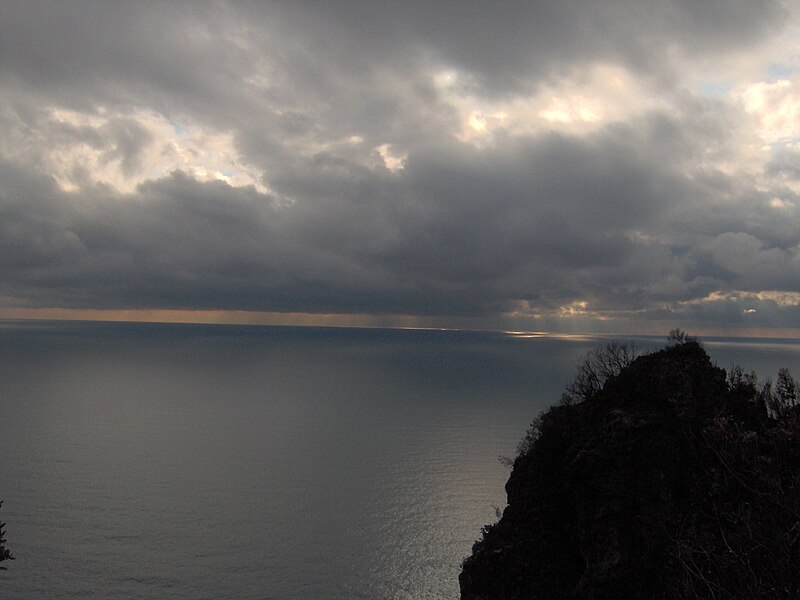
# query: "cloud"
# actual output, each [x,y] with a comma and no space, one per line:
[753,265]
[458,230]
[543,160]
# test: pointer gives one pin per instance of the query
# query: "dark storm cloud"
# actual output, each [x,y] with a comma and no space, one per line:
[458,231]
[329,61]
[508,46]
[629,216]
[733,311]
[280,74]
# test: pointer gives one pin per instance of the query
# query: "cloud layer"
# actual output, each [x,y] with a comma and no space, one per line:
[535,164]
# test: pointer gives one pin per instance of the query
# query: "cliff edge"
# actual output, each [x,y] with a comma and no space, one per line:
[671,480]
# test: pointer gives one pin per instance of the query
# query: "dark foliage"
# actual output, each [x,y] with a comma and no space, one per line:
[599,366]
[678,336]
[669,480]
[5,554]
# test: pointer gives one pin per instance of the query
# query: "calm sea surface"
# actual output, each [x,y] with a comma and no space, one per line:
[186,461]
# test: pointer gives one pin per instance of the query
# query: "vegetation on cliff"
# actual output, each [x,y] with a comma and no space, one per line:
[656,477]
[5,554]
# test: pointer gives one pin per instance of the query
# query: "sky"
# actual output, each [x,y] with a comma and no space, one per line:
[616,166]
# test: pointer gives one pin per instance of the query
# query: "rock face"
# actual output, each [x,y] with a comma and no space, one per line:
[671,482]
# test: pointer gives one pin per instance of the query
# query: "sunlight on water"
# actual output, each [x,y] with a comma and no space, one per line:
[156,461]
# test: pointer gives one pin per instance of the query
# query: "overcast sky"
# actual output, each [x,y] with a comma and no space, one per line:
[564,166]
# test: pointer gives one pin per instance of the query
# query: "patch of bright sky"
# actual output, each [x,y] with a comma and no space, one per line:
[207,155]
[523,310]
[574,308]
[81,158]
[774,110]
[763,84]
[578,104]
[781,204]
[762,79]
[391,160]
[777,72]
[779,297]
[716,89]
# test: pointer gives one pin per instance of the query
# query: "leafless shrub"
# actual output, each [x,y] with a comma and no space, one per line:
[600,365]
[745,541]
[5,554]
[678,337]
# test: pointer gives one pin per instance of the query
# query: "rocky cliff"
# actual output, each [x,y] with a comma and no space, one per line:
[672,481]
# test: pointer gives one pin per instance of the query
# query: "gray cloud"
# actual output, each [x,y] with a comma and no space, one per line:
[459,230]
[345,66]
[629,217]
[507,46]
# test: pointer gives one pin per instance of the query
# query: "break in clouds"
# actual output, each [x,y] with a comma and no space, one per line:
[524,164]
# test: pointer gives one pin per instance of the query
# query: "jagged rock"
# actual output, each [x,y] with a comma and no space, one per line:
[635,493]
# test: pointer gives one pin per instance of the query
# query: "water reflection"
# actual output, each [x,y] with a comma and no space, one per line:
[184,461]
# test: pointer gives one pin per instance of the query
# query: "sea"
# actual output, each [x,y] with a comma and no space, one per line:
[153,461]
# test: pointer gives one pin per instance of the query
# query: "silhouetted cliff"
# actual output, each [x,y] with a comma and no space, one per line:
[5,553]
[670,481]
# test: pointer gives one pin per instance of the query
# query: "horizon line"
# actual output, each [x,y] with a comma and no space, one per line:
[357,321]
